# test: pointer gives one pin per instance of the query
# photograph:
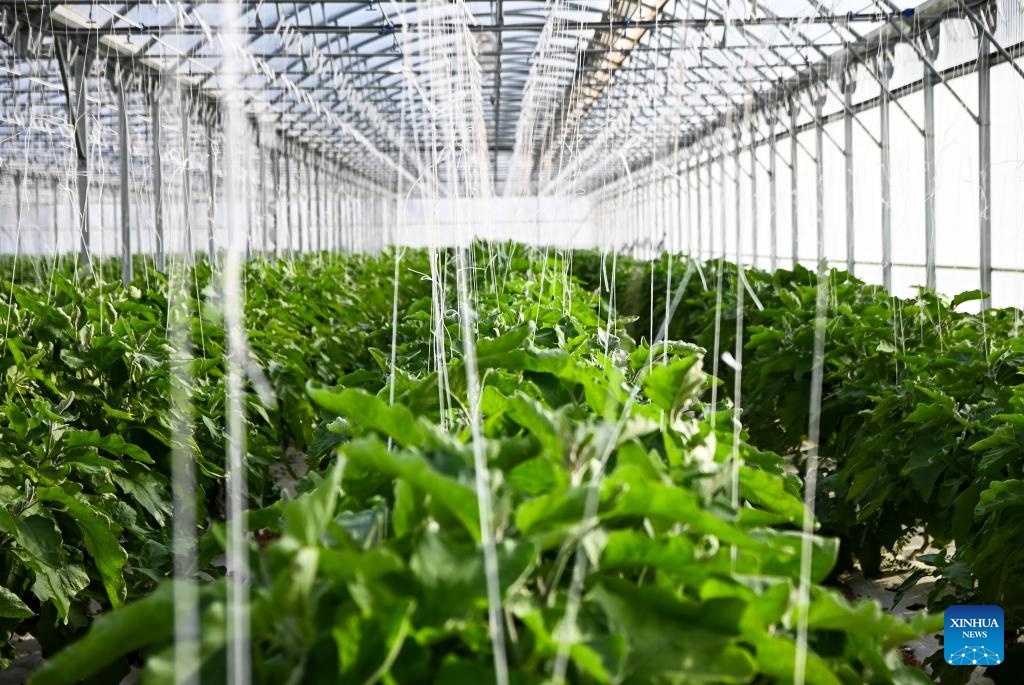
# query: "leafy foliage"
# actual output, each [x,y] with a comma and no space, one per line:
[374,572]
[922,422]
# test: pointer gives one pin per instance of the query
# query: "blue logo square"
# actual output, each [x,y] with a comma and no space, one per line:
[973,635]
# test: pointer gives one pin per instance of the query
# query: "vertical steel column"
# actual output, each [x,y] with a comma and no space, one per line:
[666,200]
[794,109]
[264,222]
[773,196]
[158,176]
[985,164]
[692,210]
[681,218]
[819,181]
[301,181]
[700,208]
[931,49]
[38,212]
[117,83]
[19,178]
[320,237]
[211,206]
[339,213]
[246,178]
[80,121]
[113,220]
[723,211]
[289,240]
[55,213]
[737,140]
[885,74]
[849,84]
[275,173]
[311,228]
[753,192]
[186,175]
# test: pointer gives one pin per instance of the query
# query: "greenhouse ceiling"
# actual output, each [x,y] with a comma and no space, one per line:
[594,81]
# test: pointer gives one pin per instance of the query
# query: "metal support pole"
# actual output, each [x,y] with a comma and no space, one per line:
[301,181]
[320,238]
[38,217]
[753,194]
[186,177]
[113,220]
[849,85]
[699,192]
[339,216]
[55,214]
[682,219]
[288,203]
[931,49]
[692,249]
[264,222]
[985,167]
[19,206]
[246,178]
[773,198]
[117,83]
[794,109]
[158,192]
[212,202]
[886,70]
[739,197]
[81,130]
[275,173]
[723,211]
[819,187]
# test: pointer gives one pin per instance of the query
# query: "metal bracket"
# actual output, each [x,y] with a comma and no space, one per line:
[990,13]
[929,41]
[74,67]
[817,91]
[153,88]
[883,64]
[846,78]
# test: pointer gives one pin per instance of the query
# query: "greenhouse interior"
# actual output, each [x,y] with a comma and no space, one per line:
[512,341]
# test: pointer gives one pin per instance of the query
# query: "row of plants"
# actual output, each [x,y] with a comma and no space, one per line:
[922,422]
[86,421]
[686,569]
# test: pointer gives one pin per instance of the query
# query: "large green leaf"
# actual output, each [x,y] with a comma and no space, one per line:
[671,386]
[446,493]
[11,605]
[367,411]
[100,535]
[148,621]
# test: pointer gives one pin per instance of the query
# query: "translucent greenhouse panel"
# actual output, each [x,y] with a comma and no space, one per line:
[747,223]
[867,202]
[907,159]
[703,195]
[956,183]
[906,280]
[783,203]
[729,174]
[691,238]
[717,207]
[870,273]
[1007,288]
[764,206]
[1007,172]
[807,209]
[953,281]
[834,184]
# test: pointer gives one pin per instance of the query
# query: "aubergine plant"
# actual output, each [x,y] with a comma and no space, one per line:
[374,572]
